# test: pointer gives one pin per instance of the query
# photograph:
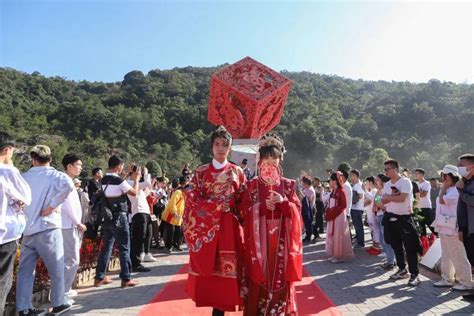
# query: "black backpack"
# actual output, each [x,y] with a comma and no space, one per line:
[101,212]
[355,197]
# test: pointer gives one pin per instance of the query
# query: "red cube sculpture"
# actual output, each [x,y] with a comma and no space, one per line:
[247,98]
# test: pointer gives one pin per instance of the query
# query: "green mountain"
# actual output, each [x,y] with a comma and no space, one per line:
[162,117]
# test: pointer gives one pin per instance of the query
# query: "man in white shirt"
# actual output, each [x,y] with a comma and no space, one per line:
[141,224]
[72,226]
[15,193]
[43,236]
[402,235]
[357,208]
[425,201]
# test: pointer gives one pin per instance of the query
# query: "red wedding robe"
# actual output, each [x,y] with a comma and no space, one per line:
[214,237]
[338,209]
[273,249]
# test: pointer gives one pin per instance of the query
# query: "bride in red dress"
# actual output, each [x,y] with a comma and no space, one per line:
[272,230]
[212,231]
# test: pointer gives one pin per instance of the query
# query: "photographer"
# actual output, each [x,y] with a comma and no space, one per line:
[141,222]
[116,189]
[161,197]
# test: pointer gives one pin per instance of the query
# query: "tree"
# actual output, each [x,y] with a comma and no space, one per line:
[162,117]
[154,168]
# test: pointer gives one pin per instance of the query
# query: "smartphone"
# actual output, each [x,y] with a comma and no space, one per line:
[135,168]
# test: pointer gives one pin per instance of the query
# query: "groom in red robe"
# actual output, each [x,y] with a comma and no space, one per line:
[212,230]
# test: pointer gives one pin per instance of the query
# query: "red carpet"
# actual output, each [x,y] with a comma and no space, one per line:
[173,300]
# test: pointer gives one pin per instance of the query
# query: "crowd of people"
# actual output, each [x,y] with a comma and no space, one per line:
[50,211]
[398,211]
[219,214]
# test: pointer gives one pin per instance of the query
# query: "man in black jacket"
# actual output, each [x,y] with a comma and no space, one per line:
[466,206]
[93,187]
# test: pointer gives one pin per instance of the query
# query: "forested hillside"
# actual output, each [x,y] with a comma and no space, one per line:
[162,116]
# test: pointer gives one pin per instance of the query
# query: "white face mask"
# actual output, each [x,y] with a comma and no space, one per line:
[463,171]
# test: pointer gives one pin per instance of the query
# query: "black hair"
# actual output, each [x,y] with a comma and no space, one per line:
[420,170]
[175,183]
[453,177]
[182,180]
[160,179]
[270,151]
[69,159]
[392,163]
[221,132]
[115,161]
[271,145]
[317,179]
[356,172]
[433,179]
[6,141]
[383,177]
[96,171]
[307,180]
[370,179]
[344,173]
[333,177]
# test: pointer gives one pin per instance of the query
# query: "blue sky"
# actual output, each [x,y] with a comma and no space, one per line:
[102,40]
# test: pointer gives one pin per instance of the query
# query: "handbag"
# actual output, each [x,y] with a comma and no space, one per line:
[444,221]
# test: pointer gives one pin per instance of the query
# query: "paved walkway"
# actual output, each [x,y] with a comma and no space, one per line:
[357,288]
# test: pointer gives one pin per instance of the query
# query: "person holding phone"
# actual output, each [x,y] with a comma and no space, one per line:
[140,221]
[116,189]
[454,262]
[402,234]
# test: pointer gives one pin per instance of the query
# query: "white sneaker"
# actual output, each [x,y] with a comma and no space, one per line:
[463,287]
[330,259]
[443,283]
[382,255]
[336,260]
[148,258]
[142,256]
[72,293]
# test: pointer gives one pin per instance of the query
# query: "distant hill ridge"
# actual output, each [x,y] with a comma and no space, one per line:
[162,116]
